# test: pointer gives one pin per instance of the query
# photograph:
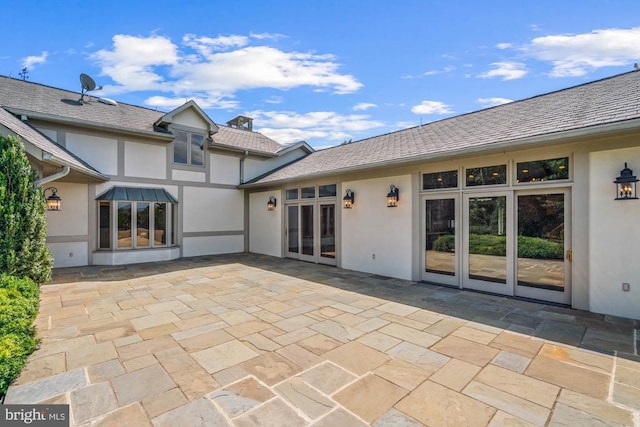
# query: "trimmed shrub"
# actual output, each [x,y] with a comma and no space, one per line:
[446,243]
[23,228]
[19,301]
[528,247]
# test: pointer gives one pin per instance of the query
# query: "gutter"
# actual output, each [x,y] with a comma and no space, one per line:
[545,139]
[65,171]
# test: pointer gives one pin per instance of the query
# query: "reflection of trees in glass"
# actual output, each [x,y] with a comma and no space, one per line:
[431,181]
[541,216]
[488,215]
[488,175]
[543,170]
[124,216]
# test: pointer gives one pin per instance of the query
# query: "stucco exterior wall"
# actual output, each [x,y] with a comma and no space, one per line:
[371,228]
[69,254]
[101,153]
[212,209]
[212,245]
[145,160]
[614,236]
[254,166]
[224,169]
[265,227]
[189,118]
[183,175]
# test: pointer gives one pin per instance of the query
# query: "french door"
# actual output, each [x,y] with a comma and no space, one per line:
[441,242]
[310,232]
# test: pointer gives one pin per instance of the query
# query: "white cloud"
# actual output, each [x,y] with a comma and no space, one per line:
[406,124]
[503,45]
[289,126]
[30,61]
[506,70]
[576,54]
[267,36]
[274,100]
[446,69]
[492,102]
[431,107]
[214,69]
[364,106]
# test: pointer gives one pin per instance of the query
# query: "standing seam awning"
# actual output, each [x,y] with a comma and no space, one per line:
[135,194]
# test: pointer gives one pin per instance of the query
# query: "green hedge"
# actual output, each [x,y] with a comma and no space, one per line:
[19,301]
[485,244]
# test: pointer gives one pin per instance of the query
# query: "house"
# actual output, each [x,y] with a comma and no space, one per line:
[517,199]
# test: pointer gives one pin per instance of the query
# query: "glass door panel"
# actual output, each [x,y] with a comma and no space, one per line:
[542,271]
[292,231]
[306,227]
[440,240]
[328,232]
[488,239]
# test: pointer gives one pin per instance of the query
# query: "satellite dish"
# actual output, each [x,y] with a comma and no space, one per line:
[87,82]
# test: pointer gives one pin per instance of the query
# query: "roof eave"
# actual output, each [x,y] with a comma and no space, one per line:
[225,147]
[89,124]
[552,138]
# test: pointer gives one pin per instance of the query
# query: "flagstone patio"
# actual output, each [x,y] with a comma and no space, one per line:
[249,340]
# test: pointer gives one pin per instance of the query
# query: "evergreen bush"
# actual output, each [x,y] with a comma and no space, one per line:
[23,227]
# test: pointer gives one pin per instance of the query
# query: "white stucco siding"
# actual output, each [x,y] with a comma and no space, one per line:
[101,153]
[265,227]
[212,209]
[614,236]
[224,169]
[189,118]
[254,167]
[145,160]
[212,245]
[137,256]
[183,175]
[371,228]
[72,220]
[69,254]
[51,134]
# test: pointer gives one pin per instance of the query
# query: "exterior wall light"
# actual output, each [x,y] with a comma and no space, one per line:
[272,203]
[626,184]
[54,202]
[393,197]
[348,199]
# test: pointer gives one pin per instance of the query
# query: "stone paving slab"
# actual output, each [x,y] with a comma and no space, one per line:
[249,340]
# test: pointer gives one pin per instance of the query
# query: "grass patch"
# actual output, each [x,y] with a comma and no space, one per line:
[19,301]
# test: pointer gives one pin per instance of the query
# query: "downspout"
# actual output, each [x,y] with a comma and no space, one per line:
[48,179]
[244,156]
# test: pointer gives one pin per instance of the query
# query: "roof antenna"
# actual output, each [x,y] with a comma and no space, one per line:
[87,84]
[635,66]
[24,74]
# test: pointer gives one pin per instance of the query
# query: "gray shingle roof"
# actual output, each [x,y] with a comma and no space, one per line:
[606,101]
[39,140]
[19,95]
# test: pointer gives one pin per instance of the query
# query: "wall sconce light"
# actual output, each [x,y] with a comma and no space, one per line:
[272,203]
[54,202]
[393,196]
[348,199]
[626,184]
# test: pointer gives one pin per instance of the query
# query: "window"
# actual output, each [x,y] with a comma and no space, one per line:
[292,194]
[188,148]
[308,192]
[433,181]
[543,170]
[327,190]
[140,224]
[488,175]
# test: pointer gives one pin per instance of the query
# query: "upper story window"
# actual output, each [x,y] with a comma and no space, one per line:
[543,170]
[188,148]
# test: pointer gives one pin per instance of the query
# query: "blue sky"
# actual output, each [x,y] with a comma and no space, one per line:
[321,71]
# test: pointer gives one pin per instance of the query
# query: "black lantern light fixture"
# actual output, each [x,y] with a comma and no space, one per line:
[626,184]
[393,196]
[54,202]
[271,203]
[348,199]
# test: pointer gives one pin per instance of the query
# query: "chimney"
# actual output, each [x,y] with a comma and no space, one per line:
[241,122]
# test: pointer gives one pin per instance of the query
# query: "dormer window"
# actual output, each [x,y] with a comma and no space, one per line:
[188,148]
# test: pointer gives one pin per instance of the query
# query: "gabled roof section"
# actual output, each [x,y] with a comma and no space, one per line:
[586,108]
[167,118]
[238,139]
[59,154]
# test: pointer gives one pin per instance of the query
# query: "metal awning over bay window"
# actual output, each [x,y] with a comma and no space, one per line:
[136,218]
[138,194]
